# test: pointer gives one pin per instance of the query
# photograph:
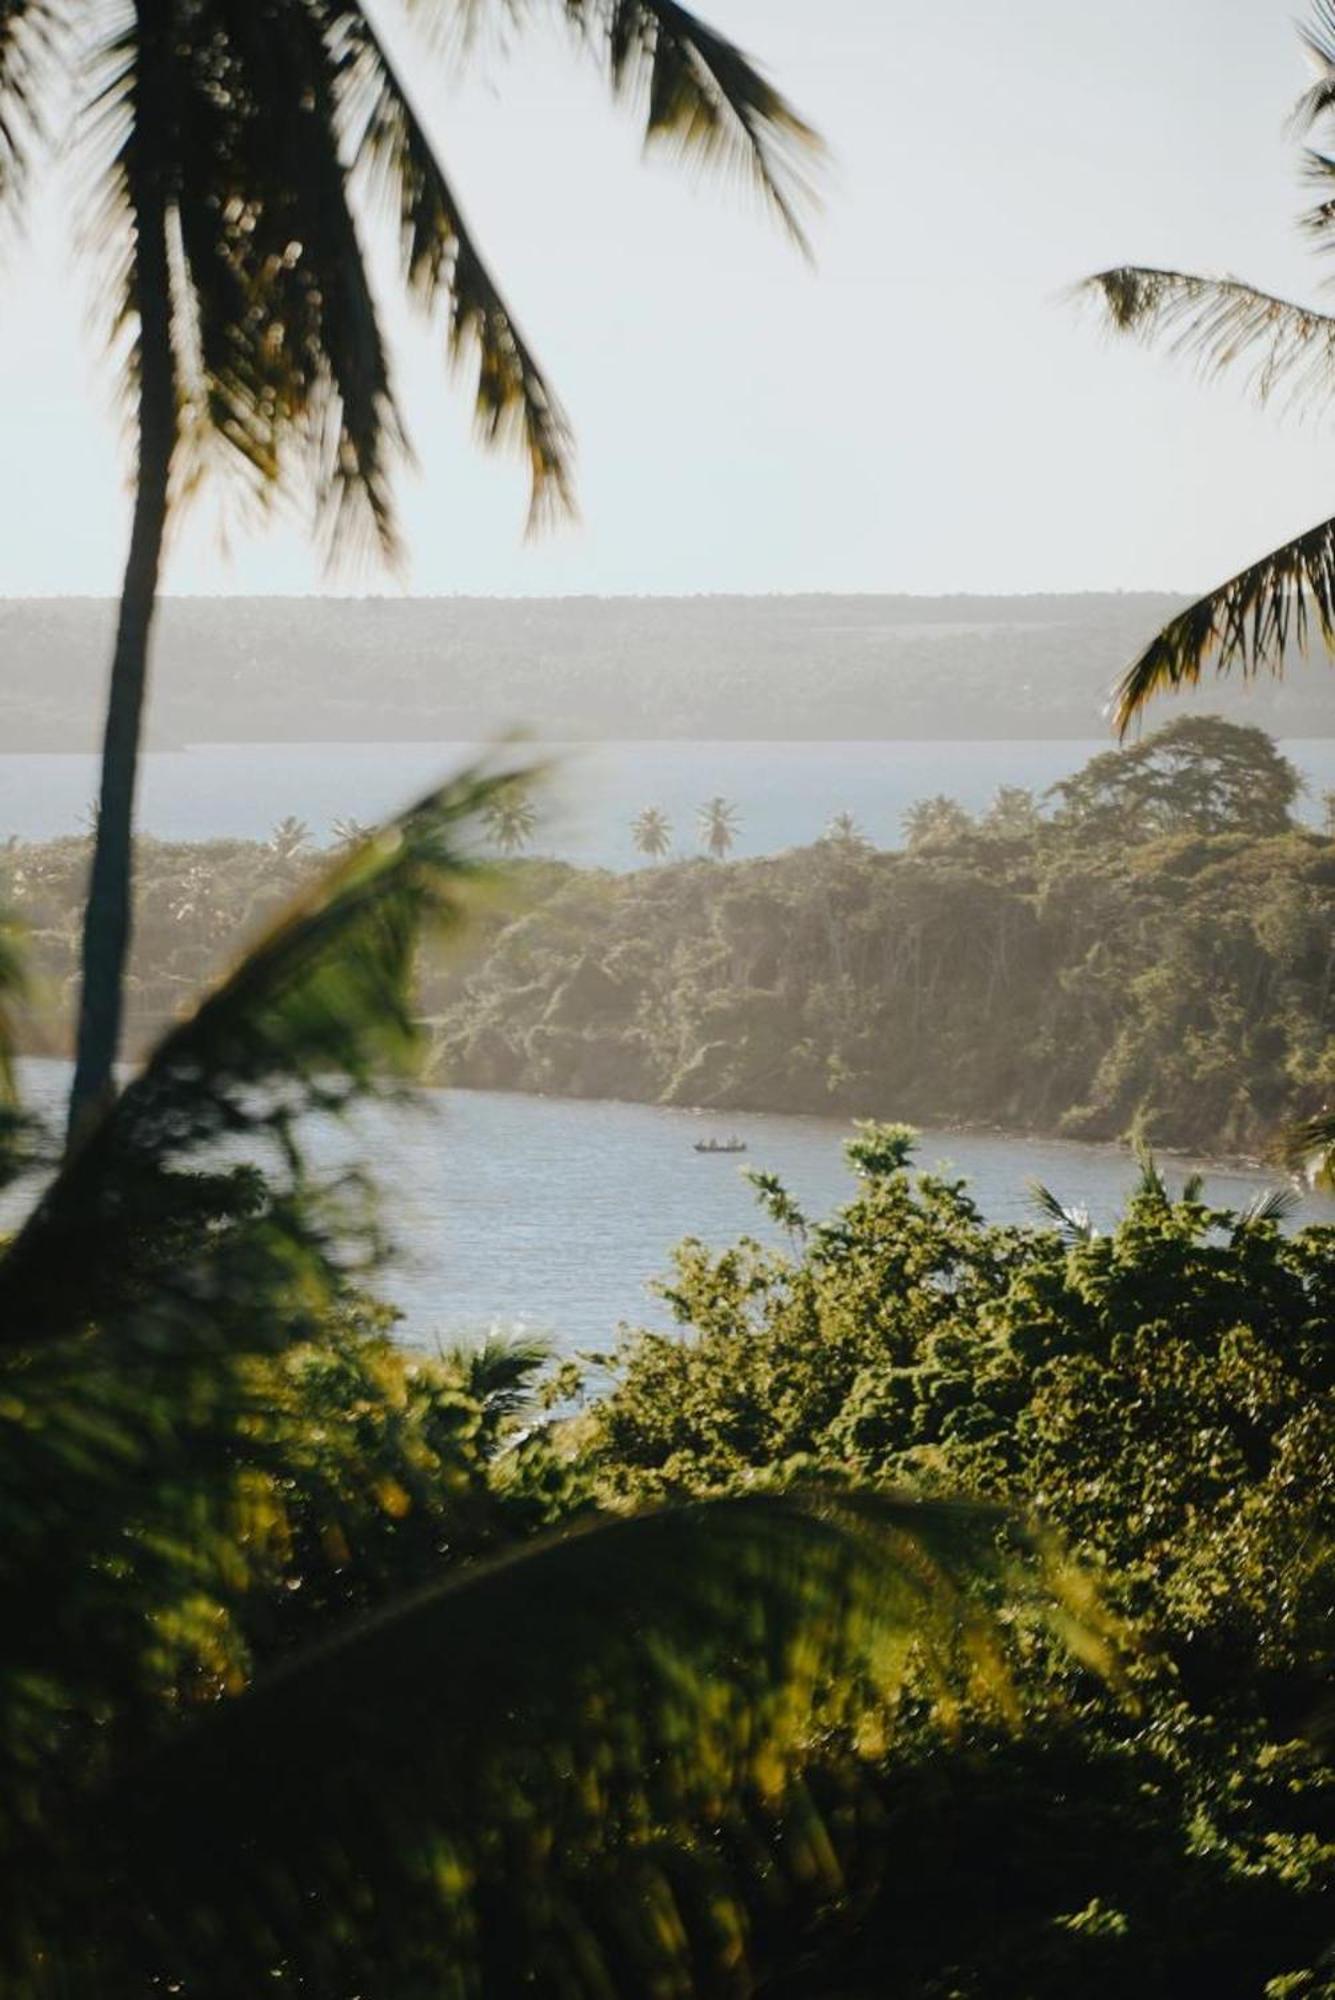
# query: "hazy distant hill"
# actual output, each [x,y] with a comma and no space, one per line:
[339,669]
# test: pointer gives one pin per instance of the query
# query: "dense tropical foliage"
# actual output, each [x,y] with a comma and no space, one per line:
[283,1701]
[938,1609]
[334,1665]
[1164,1395]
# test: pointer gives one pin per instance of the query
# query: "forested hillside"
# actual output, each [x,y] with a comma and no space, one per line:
[1151,949]
[259,670]
[1155,952]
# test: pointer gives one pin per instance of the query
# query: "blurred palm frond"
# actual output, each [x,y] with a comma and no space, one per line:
[316,1017]
[704,99]
[580,1758]
[1249,620]
[29,35]
[1308,1148]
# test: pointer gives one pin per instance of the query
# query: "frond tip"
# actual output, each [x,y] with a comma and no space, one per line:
[1071,1220]
[1268,1206]
[705,99]
[1247,622]
[1221,323]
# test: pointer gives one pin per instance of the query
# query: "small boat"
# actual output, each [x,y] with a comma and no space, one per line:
[730,1145]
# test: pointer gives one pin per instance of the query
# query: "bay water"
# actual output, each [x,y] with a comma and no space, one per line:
[554,1216]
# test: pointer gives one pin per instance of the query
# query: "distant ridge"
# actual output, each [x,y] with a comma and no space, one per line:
[337,669]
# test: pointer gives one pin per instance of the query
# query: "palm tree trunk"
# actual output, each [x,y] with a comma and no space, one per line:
[107,912]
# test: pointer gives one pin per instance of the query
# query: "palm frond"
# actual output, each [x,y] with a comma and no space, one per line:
[1318,38]
[442,263]
[1071,1220]
[1270,1205]
[283,376]
[1150,1183]
[29,35]
[1308,1148]
[500,1371]
[703,98]
[1248,622]
[1221,323]
[318,383]
[318,1015]
[460,1782]
[1319,220]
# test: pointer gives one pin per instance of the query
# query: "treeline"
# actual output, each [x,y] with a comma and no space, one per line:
[1149,948]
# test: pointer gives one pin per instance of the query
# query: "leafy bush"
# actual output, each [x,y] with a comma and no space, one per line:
[1164,1397]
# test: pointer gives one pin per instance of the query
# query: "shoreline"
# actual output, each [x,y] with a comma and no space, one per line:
[1183,1156]
[938,1126]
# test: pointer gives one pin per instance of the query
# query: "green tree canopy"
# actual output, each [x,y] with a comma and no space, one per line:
[1198,774]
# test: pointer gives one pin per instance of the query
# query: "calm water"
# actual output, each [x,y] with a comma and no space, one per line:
[556,1216]
[785,792]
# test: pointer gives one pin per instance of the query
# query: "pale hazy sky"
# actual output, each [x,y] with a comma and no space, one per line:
[922,412]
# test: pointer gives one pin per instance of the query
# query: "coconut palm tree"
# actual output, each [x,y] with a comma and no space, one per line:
[1247,621]
[928,822]
[718,827]
[651,831]
[236,149]
[844,831]
[1013,814]
[350,832]
[511,819]
[289,837]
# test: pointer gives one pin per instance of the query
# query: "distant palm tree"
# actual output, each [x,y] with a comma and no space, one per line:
[651,830]
[1013,813]
[231,141]
[289,837]
[1247,621]
[718,826]
[844,831]
[350,832]
[929,821]
[510,818]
